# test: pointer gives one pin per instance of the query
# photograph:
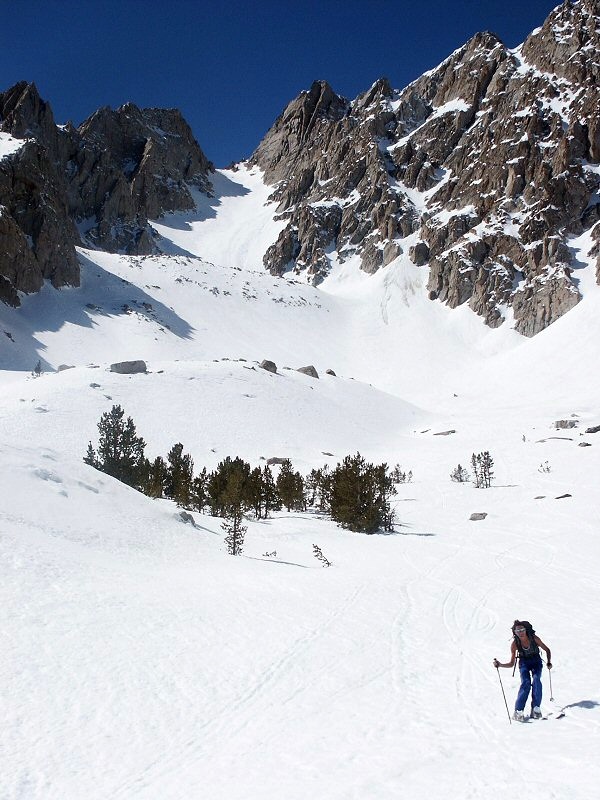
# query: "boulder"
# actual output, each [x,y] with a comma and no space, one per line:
[478,515]
[562,424]
[595,429]
[129,367]
[270,366]
[330,372]
[310,370]
[276,460]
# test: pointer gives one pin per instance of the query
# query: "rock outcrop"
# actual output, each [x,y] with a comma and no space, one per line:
[480,169]
[108,178]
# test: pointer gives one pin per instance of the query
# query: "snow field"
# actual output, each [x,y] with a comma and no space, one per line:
[140,661]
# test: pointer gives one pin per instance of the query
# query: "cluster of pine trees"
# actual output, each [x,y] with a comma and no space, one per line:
[356,494]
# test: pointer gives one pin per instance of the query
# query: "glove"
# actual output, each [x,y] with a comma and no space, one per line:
[496,663]
[549,665]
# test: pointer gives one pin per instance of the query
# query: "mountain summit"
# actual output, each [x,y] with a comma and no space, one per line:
[482,171]
[482,168]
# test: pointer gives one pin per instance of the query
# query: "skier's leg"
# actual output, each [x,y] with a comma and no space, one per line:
[536,693]
[523,689]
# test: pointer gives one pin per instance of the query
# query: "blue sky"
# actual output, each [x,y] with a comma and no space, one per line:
[231,67]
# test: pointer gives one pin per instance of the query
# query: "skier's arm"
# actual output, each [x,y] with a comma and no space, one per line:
[546,649]
[513,654]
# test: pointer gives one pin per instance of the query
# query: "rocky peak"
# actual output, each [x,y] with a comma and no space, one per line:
[300,123]
[25,115]
[480,170]
[154,158]
[568,43]
[115,172]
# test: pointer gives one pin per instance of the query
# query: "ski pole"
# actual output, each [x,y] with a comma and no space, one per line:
[504,696]
[551,692]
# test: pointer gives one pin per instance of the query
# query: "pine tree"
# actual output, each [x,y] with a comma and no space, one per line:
[218,482]
[459,474]
[199,497]
[254,492]
[270,495]
[120,450]
[157,472]
[483,473]
[386,489]
[234,505]
[290,486]
[180,474]
[359,495]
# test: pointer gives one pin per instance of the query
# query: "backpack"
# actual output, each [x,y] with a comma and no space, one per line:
[530,635]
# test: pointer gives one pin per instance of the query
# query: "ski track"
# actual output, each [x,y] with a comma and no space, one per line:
[265,691]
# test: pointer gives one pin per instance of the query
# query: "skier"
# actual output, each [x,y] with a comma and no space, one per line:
[528,645]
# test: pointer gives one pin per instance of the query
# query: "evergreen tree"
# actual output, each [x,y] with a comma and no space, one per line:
[180,474]
[270,495]
[360,494]
[157,473]
[120,450]
[386,489]
[483,473]
[253,491]
[459,474]
[290,487]
[218,482]
[233,500]
[199,497]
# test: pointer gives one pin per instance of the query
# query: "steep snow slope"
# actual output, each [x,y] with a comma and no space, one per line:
[140,661]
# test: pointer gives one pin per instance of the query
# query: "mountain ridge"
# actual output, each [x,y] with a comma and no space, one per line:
[480,170]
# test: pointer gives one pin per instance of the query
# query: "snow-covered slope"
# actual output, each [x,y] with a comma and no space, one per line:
[140,661]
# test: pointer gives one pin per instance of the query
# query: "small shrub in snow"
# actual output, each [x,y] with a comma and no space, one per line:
[270,555]
[482,464]
[318,554]
[399,476]
[460,475]
[37,370]
[545,467]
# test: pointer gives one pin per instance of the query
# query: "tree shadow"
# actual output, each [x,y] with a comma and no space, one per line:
[277,561]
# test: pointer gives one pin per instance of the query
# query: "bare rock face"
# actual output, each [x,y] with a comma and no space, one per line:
[481,169]
[115,172]
[133,165]
[37,236]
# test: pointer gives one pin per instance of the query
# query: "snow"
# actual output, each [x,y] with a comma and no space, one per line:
[9,145]
[140,661]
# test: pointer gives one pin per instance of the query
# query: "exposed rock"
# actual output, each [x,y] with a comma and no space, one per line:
[129,367]
[595,429]
[492,158]
[444,433]
[562,496]
[63,367]
[308,371]
[565,423]
[330,372]
[187,518]
[477,515]
[270,366]
[419,254]
[276,460]
[116,171]
[584,444]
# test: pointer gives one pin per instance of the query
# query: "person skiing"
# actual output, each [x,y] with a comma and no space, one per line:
[527,645]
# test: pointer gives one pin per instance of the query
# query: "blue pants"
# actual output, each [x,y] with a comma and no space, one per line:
[531,678]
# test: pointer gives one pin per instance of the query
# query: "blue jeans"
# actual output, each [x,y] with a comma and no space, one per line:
[531,678]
